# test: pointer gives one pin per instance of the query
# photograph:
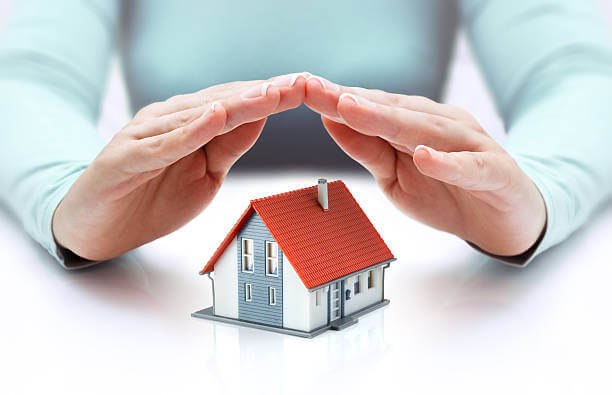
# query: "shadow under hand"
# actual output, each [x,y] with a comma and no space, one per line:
[478,288]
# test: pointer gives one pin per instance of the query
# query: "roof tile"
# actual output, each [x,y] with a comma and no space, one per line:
[321,245]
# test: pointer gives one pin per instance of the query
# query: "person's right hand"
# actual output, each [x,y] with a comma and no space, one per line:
[166,165]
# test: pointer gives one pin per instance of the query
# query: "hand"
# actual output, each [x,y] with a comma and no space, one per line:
[435,163]
[166,165]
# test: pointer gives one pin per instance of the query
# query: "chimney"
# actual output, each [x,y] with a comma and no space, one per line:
[322,193]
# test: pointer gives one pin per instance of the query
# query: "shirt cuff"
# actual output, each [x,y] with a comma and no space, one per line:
[520,260]
[66,258]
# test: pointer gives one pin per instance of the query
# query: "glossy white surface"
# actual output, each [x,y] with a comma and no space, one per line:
[457,321]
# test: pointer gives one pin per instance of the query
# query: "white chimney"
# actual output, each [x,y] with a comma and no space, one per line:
[322,193]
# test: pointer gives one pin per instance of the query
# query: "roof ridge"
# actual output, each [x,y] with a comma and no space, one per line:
[320,245]
[292,192]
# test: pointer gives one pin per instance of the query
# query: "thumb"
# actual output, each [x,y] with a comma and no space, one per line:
[475,171]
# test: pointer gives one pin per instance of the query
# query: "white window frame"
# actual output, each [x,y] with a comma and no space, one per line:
[272,299]
[250,255]
[248,292]
[317,297]
[371,279]
[271,259]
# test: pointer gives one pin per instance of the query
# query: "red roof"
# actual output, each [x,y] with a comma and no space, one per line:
[321,245]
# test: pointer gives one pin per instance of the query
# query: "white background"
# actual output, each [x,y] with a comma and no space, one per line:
[457,322]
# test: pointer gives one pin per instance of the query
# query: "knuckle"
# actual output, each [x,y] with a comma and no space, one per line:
[479,162]
[155,144]
[438,124]
[180,119]
[397,127]
[394,99]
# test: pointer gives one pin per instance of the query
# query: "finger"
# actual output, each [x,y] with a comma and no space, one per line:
[251,105]
[162,150]
[322,96]
[371,152]
[165,123]
[473,171]
[255,103]
[405,127]
[200,98]
[291,88]
[223,151]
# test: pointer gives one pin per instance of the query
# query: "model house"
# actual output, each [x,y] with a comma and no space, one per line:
[299,262]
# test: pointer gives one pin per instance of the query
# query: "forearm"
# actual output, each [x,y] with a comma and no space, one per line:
[562,142]
[549,66]
[54,58]
[45,147]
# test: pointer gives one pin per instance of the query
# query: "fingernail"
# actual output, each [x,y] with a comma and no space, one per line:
[288,80]
[214,106]
[304,74]
[325,84]
[257,91]
[358,101]
[348,96]
[432,152]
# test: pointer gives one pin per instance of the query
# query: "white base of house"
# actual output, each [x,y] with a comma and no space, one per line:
[337,325]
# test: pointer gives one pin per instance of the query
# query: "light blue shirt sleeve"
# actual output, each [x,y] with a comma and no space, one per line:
[548,64]
[54,58]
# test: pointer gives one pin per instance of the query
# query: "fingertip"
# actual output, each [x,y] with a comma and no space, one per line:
[299,78]
[314,87]
[422,152]
[424,158]
[213,119]
[216,111]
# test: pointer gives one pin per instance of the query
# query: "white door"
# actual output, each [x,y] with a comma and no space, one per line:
[334,301]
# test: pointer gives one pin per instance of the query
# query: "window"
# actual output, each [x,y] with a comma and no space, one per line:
[272,296]
[271,258]
[247,255]
[317,298]
[248,296]
[356,288]
[371,279]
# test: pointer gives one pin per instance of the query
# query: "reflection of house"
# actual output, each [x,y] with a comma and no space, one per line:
[299,262]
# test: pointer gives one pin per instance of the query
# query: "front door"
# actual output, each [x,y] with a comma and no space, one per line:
[334,301]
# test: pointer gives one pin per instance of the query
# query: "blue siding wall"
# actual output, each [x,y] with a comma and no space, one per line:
[259,309]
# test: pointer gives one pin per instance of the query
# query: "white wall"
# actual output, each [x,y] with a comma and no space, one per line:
[226,283]
[367,296]
[318,314]
[300,310]
[296,300]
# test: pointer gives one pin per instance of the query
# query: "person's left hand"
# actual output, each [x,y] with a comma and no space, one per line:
[435,163]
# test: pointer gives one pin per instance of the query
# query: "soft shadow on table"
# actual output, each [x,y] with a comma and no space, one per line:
[125,281]
[233,348]
[477,287]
